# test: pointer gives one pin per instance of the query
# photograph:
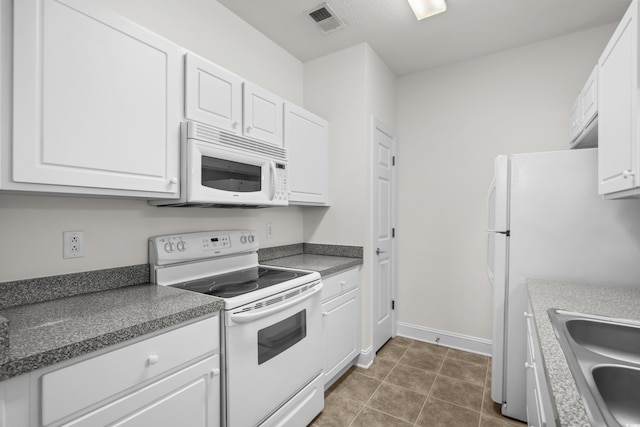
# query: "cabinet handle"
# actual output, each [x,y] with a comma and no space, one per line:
[528,365]
[249,129]
[627,174]
[173,180]
[325,313]
[528,315]
[235,124]
[153,359]
[343,283]
[215,372]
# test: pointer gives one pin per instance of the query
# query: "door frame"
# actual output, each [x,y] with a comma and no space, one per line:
[378,124]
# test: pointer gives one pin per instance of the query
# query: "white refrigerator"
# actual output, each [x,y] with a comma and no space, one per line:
[546,221]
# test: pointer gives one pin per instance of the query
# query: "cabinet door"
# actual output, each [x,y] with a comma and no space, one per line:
[190,397]
[575,126]
[213,94]
[263,115]
[14,402]
[533,408]
[341,332]
[617,98]
[589,99]
[306,138]
[96,100]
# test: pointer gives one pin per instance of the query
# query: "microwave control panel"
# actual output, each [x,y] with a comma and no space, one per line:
[282,186]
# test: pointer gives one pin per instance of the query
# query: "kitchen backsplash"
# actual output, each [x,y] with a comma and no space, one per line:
[266,254]
[48,288]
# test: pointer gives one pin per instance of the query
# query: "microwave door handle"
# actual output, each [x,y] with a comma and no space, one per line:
[272,167]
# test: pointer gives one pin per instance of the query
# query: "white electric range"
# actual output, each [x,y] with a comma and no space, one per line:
[271,324]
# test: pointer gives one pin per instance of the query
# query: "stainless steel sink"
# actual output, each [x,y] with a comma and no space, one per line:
[615,340]
[603,355]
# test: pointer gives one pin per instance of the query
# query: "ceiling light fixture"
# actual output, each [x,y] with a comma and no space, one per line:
[426,8]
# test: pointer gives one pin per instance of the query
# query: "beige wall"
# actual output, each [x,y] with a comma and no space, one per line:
[209,29]
[348,88]
[452,122]
[116,230]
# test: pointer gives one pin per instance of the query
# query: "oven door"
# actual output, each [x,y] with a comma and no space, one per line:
[219,176]
[271,354]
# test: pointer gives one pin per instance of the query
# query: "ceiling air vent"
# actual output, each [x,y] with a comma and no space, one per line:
[325,18]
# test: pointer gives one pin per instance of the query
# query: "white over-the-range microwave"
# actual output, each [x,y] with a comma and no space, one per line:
[220,169]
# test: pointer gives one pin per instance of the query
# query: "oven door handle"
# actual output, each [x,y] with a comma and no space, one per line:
[259,314]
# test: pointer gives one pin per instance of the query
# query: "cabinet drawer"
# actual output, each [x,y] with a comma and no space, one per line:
[340,282]
[79,386]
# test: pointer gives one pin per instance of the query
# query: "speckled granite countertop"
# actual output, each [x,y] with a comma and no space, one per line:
[323,264]
[618,302]
[40,334]
[51,319]
[325,259]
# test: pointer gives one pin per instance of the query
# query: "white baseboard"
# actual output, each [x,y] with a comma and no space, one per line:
[447,339]
[366,358]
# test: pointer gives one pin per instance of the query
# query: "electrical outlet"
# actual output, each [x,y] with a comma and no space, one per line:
[73,244]
[269,231]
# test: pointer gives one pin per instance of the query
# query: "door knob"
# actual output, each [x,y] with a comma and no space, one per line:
[379,251]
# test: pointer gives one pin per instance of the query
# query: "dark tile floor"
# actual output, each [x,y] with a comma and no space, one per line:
[412,383]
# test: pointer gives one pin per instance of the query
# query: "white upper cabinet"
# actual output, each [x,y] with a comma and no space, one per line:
[217,97]
[96,103]
[263,115]
[213,94]
[618,111]
[306,138]
[583,123]
[589,99]
[575,126]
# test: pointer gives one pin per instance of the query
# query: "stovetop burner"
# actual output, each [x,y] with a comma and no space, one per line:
[240,282]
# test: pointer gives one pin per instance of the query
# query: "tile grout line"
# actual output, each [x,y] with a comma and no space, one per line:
[377,388]
[431,388]
[484,391]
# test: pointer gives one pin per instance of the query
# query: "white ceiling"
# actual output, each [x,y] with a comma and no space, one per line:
[469,28]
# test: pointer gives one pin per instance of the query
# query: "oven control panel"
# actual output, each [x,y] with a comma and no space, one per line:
[176,248]
[211,243]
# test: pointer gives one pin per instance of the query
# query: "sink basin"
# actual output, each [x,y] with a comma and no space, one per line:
[603,355]
[615,340]
[619,387]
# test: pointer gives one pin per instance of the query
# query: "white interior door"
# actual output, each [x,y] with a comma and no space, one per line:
[383,233]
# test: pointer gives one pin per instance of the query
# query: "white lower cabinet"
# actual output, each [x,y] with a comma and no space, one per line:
[14,402]
[341,322]
[540,411]
[169,379]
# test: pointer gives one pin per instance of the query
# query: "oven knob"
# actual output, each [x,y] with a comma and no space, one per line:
[252,238]
[243,239]
[181,246]
[168,247]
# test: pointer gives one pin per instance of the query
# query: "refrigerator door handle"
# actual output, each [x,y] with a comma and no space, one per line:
[491,205]
[490,252]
